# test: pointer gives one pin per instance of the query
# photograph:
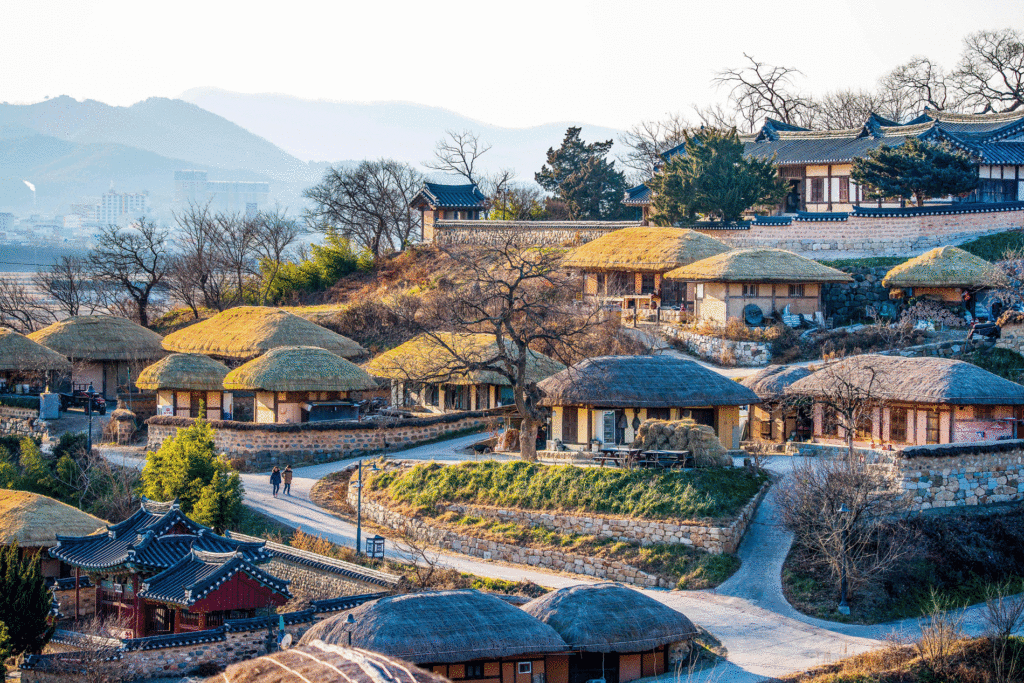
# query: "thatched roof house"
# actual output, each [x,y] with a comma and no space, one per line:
[628,264]
[246,332]
[186,385]
[942,268]
[918,400]
[776,419]
[770,279]
[33,522]
[622,391]
[300,384]
[441,627]
[107,351]
[325,663]
[770,383]
[424,372]
[608,617]
[20,355]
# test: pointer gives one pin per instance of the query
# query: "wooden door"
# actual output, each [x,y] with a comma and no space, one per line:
[570,425]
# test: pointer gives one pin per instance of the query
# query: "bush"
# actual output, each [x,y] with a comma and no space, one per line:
[25,602]
[31,402]
[327,263]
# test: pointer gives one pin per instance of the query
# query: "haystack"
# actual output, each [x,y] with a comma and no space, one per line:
[644,249]
[683,435]
[299,368]
[440,627]
[757,265]
[100,338]
[183,371]
[608,617]
[325,663]
[432,358]
[34,521]
[246,332]
[18,353]
[943,267]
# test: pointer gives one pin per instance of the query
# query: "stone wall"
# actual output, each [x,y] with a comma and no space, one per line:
[722,351]
[961,475]
[264,445]
[552,233]
[1012,337]
[846,301]
[21,422]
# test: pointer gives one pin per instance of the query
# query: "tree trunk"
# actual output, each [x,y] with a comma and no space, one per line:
[143,312]
[528,439]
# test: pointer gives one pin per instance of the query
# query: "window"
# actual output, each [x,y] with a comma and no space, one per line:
[525,668]
[647,283]
[984,412]
[750,290]
[898,425]
[474,671]
[844,188]
[601,284]
[700,291]
[829,422]
[864,426]
[796,290]
[817,189]
[931,433]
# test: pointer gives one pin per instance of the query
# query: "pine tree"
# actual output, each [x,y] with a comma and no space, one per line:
[220,502]
[5,648]
[713,179]
[579,174]
[35,471]
[25,602]
[915,169]
[182,467]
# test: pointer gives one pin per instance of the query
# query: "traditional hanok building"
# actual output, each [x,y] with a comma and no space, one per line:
[300,384]
[188,385]
[438,202]
[942,274]
[162,573]
[23,361]
[608,398]
[626,267]
[428,372]
[33,521]
[913,401]
[107,352]
[729,284]
[779,417]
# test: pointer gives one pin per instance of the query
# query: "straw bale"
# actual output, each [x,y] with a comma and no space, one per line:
[185,371]
[913,380]
[34,521]
[429,358]
[644,249]
[683,435]
[608,617]
[299,368]
[100,338]
[18,353]
[943,267]
[770,383]
[325,663]
[246,332]
[660,381]
[757,265]
[440,627]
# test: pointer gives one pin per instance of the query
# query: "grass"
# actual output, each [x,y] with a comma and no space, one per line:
[868,262]
[711,493]
[1003,362]
[995,247]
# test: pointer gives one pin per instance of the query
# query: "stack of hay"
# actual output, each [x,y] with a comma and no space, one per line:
[683,435]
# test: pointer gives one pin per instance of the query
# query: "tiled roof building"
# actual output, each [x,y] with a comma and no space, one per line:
[448,202]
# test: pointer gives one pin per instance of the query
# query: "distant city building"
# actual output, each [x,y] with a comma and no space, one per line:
[6,222]
[89,212]
[121,208]
[232,196]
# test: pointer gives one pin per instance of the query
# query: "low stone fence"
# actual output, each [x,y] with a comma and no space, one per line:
[946,349]
[21,422]
[722,351]
[264,445]
[962,475]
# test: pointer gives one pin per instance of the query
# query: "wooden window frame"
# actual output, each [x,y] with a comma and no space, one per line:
[751,289]
[796,290]
[816,195]
[896,435]
[844,189]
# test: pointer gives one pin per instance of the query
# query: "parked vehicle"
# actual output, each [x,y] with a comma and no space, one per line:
[80,396]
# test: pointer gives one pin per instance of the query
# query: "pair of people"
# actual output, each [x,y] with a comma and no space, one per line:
[277,476]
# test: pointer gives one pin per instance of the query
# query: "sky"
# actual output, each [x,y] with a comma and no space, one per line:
[514,64]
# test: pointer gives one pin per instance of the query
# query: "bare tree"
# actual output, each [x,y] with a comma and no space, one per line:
[70,286]
[134,261]
[841,109]
[19,309]
[1004,616]
[849,391]
[647,140]
[716,116]
[517,202]
[911,87]
[275,236]
[457,154]
[234,245]
[990,73]
[196,279]
[759,91]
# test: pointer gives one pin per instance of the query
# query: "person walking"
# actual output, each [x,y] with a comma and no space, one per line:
[275,480]
[286,477]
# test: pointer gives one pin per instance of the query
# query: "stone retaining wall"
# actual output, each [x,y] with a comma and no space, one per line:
[264,445]
[551,233]
[722,351]
[21,422]
[965,475]
[845,301]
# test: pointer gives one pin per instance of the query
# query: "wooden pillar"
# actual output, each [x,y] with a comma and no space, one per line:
[99,595]
[176,615]
[78,574]
[140,617]
[202,621]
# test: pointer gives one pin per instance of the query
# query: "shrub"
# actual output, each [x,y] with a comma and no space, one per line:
[25,602]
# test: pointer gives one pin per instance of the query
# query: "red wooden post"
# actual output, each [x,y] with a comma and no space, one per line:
[140,619]
[99,596]
[77,582]
[176,615]
[202,621]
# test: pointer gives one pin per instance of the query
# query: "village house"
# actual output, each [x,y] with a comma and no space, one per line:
[188,385]
[944,274]
[755,284]
[913,401]
[33,522]
[779,417]
[25,362]
[428,373]
[436,201]
[606,399]
[626,267]
[107,352]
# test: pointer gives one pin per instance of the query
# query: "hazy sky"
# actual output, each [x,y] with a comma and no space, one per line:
[512,63]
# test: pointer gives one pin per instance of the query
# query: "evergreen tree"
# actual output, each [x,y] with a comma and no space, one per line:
[579,174]
[220,502]
[183,466]
[25,602]
[5,648]
[711,178]
[915,169]
[35,471]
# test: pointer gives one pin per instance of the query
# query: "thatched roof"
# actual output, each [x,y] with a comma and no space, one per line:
[189,371]
[18,353]
[429,358]
[770,383]
[757,265]
[246,332]
[34,521]
[325,663]
[99,338]
[299,368]
[642,382]
[608,617]
[943,267]
[644,249]
[440,627]
[912,380]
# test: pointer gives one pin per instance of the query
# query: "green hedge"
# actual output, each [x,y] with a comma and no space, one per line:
[20,401]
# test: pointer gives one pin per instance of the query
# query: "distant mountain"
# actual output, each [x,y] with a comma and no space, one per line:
[319,130]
